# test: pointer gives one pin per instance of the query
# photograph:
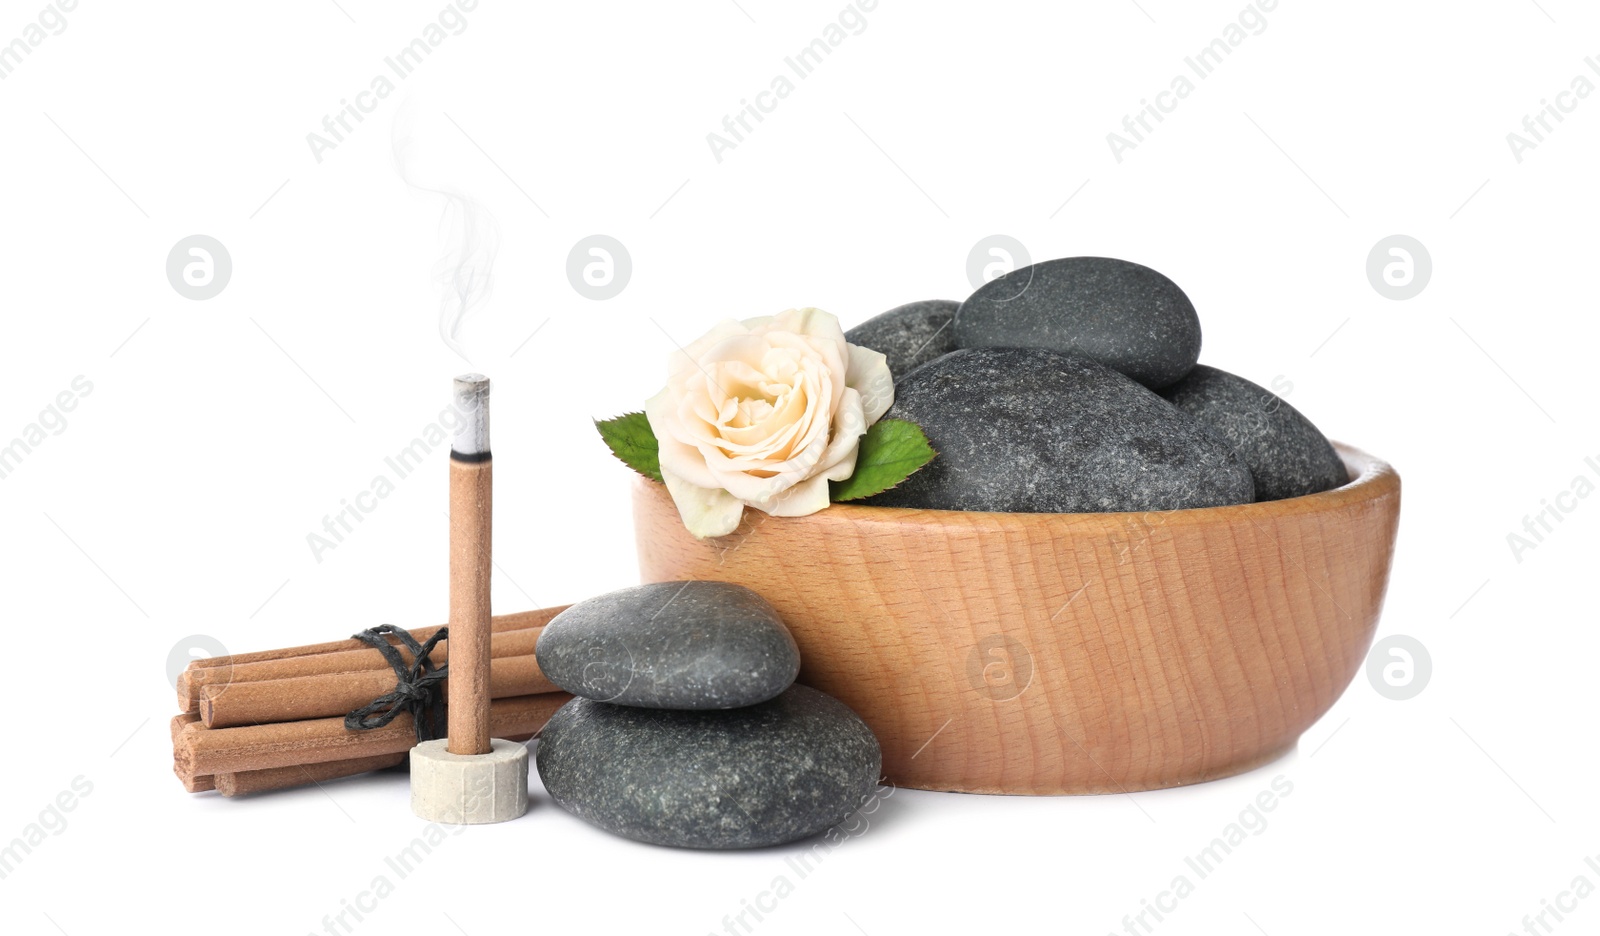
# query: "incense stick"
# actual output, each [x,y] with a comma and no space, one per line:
[471,542]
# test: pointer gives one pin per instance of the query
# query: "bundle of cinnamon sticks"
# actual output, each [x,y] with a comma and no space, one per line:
[274,719]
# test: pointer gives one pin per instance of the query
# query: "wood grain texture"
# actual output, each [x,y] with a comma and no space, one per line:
[1066,653]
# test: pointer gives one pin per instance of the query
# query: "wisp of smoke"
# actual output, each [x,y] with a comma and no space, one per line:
[471,238]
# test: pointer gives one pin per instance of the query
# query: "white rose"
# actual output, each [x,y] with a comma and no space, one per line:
[764,413]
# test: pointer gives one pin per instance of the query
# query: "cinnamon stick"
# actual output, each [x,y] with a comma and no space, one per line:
[211,751]
[325,695]
[290,663]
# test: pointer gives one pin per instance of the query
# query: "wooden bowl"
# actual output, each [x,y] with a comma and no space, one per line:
[1066,653]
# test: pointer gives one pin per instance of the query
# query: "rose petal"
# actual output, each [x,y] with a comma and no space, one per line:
[799,500]
[848,428]
[688,359]
[705,511]
[870,376]
[680,459]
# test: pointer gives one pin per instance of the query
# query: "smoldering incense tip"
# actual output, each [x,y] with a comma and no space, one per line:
[472,404]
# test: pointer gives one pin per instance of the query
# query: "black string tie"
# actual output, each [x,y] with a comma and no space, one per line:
[418,690]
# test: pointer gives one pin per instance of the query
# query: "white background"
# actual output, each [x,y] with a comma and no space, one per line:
[219,433]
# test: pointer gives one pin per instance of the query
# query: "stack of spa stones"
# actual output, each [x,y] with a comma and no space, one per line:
[688,729]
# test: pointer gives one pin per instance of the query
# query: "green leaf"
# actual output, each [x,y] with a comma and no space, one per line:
[631,439]
[891,451]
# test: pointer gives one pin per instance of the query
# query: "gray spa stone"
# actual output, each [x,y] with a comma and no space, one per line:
[671,645]
[1029,430]
[910,335]
[1286,453]
[1123,315]
[743,778]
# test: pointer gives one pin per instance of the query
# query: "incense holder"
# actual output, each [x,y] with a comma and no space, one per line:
[469,789]
[1033,653]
